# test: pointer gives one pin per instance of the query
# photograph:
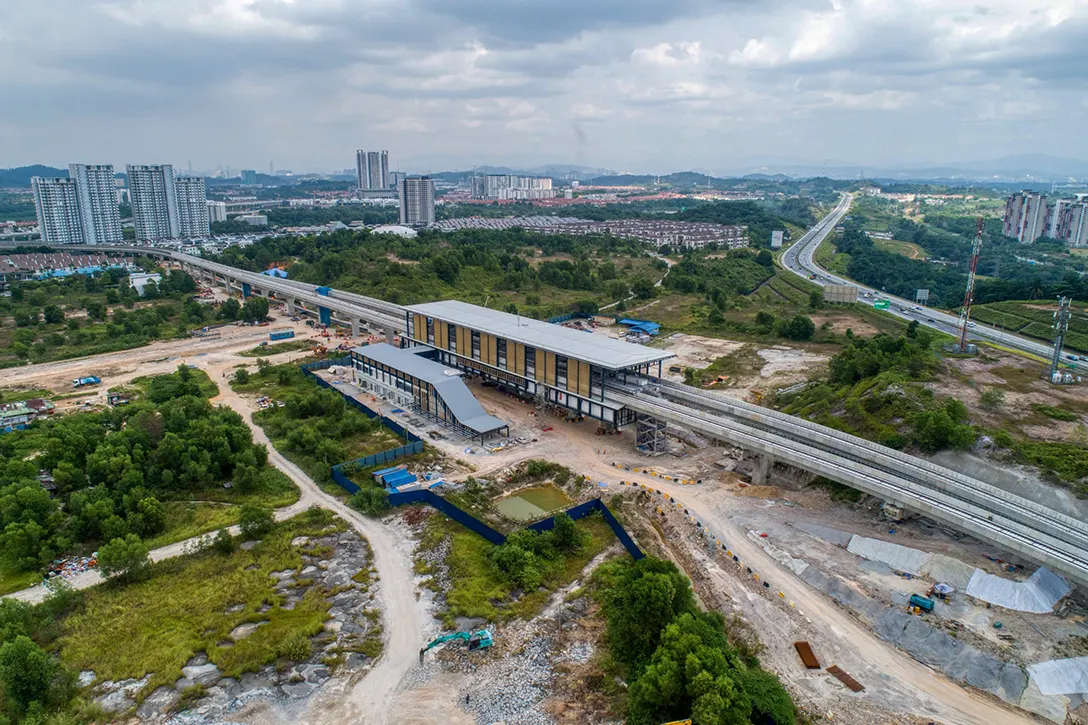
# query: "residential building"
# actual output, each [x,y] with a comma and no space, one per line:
[395,177]
[46,265]
[417,201]
[165,206]
[192,207]
[509,186]
[249,177]
[1058,212]
[217,211]
[154,202]
[57,206]
[97,193]
[372,169]
[1026,216]
[656,232]
[1076,228]
[254,220]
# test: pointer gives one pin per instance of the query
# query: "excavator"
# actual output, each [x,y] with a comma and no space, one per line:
[480,639]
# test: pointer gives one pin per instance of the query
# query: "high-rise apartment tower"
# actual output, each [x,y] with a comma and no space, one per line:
[372,168]
[165,206]
[417,201]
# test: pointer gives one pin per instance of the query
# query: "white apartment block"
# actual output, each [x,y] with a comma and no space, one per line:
[192,206]
[417,201]
[96,192]
[217,211]
[57,206]
[509,186]
[1028,217]
[154,202]
[165,206]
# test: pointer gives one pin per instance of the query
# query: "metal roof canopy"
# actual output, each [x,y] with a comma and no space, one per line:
[596,349]
[447,383]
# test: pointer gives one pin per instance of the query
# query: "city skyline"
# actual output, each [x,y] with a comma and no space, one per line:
[639,86]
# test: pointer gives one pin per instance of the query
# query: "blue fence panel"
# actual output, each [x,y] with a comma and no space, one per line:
[462,517]
[587,508]
[343,481]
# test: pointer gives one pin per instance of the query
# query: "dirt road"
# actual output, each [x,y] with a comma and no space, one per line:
[404,617]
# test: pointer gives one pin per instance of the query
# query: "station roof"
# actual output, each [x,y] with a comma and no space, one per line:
[447,383]
[596,349]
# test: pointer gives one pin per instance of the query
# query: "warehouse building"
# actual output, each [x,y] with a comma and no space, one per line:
[549,363]
[407,379]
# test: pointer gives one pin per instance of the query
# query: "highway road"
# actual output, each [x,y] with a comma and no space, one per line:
[800,259]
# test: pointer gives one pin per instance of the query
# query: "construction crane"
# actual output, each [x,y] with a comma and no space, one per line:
[969,295]
[1061,326]
[480,639]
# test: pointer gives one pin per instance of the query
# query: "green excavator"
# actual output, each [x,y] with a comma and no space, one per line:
[480,639]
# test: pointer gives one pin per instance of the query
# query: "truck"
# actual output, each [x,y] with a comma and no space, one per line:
[281,335]
[89,380]
[923,603]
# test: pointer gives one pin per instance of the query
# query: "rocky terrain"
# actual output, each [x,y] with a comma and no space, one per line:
[202,696]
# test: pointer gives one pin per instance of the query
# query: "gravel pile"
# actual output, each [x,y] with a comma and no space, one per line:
[510,689]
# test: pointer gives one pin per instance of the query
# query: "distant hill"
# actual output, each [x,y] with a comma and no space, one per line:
[19,177]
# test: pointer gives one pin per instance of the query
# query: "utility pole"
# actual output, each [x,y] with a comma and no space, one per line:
[1061,326]
[969,295]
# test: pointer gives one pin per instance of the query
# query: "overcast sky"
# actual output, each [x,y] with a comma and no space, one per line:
[634,85]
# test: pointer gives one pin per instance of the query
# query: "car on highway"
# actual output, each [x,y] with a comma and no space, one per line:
[930,319]
[970,324]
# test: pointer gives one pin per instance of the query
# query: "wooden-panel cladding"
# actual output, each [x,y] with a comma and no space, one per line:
[583,379]
[464,341]
[517,362]
[441,334]
[419,327]
[549,368]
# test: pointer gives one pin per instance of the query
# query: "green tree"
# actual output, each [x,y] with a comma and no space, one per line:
[565,534]
[912,329]
[255,309]
[766,258]
[230,309]
[29,675]
[799,328]
[371,500]
[223,543]
[771,704]
[640,599]
[815,299]
[53,314]
[154,516]
[241,376]
[126,559]
[692,674]
[255,521]
[642,288]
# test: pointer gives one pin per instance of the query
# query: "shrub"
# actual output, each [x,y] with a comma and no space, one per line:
[296,647]
[255,521]
[371,500]
[125,558]
[223,543]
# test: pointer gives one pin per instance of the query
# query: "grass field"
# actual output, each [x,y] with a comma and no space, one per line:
[895,246]
[1034,318]
[477,589]
[828,257]
[156,625]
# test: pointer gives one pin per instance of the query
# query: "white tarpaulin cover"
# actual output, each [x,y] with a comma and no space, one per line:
[1038,594]
[899,558]
[1061,677]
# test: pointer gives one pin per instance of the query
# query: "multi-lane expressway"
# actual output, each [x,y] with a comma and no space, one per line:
[800,259]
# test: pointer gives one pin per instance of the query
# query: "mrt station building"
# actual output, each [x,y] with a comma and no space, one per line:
[556,365]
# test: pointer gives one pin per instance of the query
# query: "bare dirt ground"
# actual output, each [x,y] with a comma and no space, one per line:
[789,365]
[694,351]
[1021,382]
